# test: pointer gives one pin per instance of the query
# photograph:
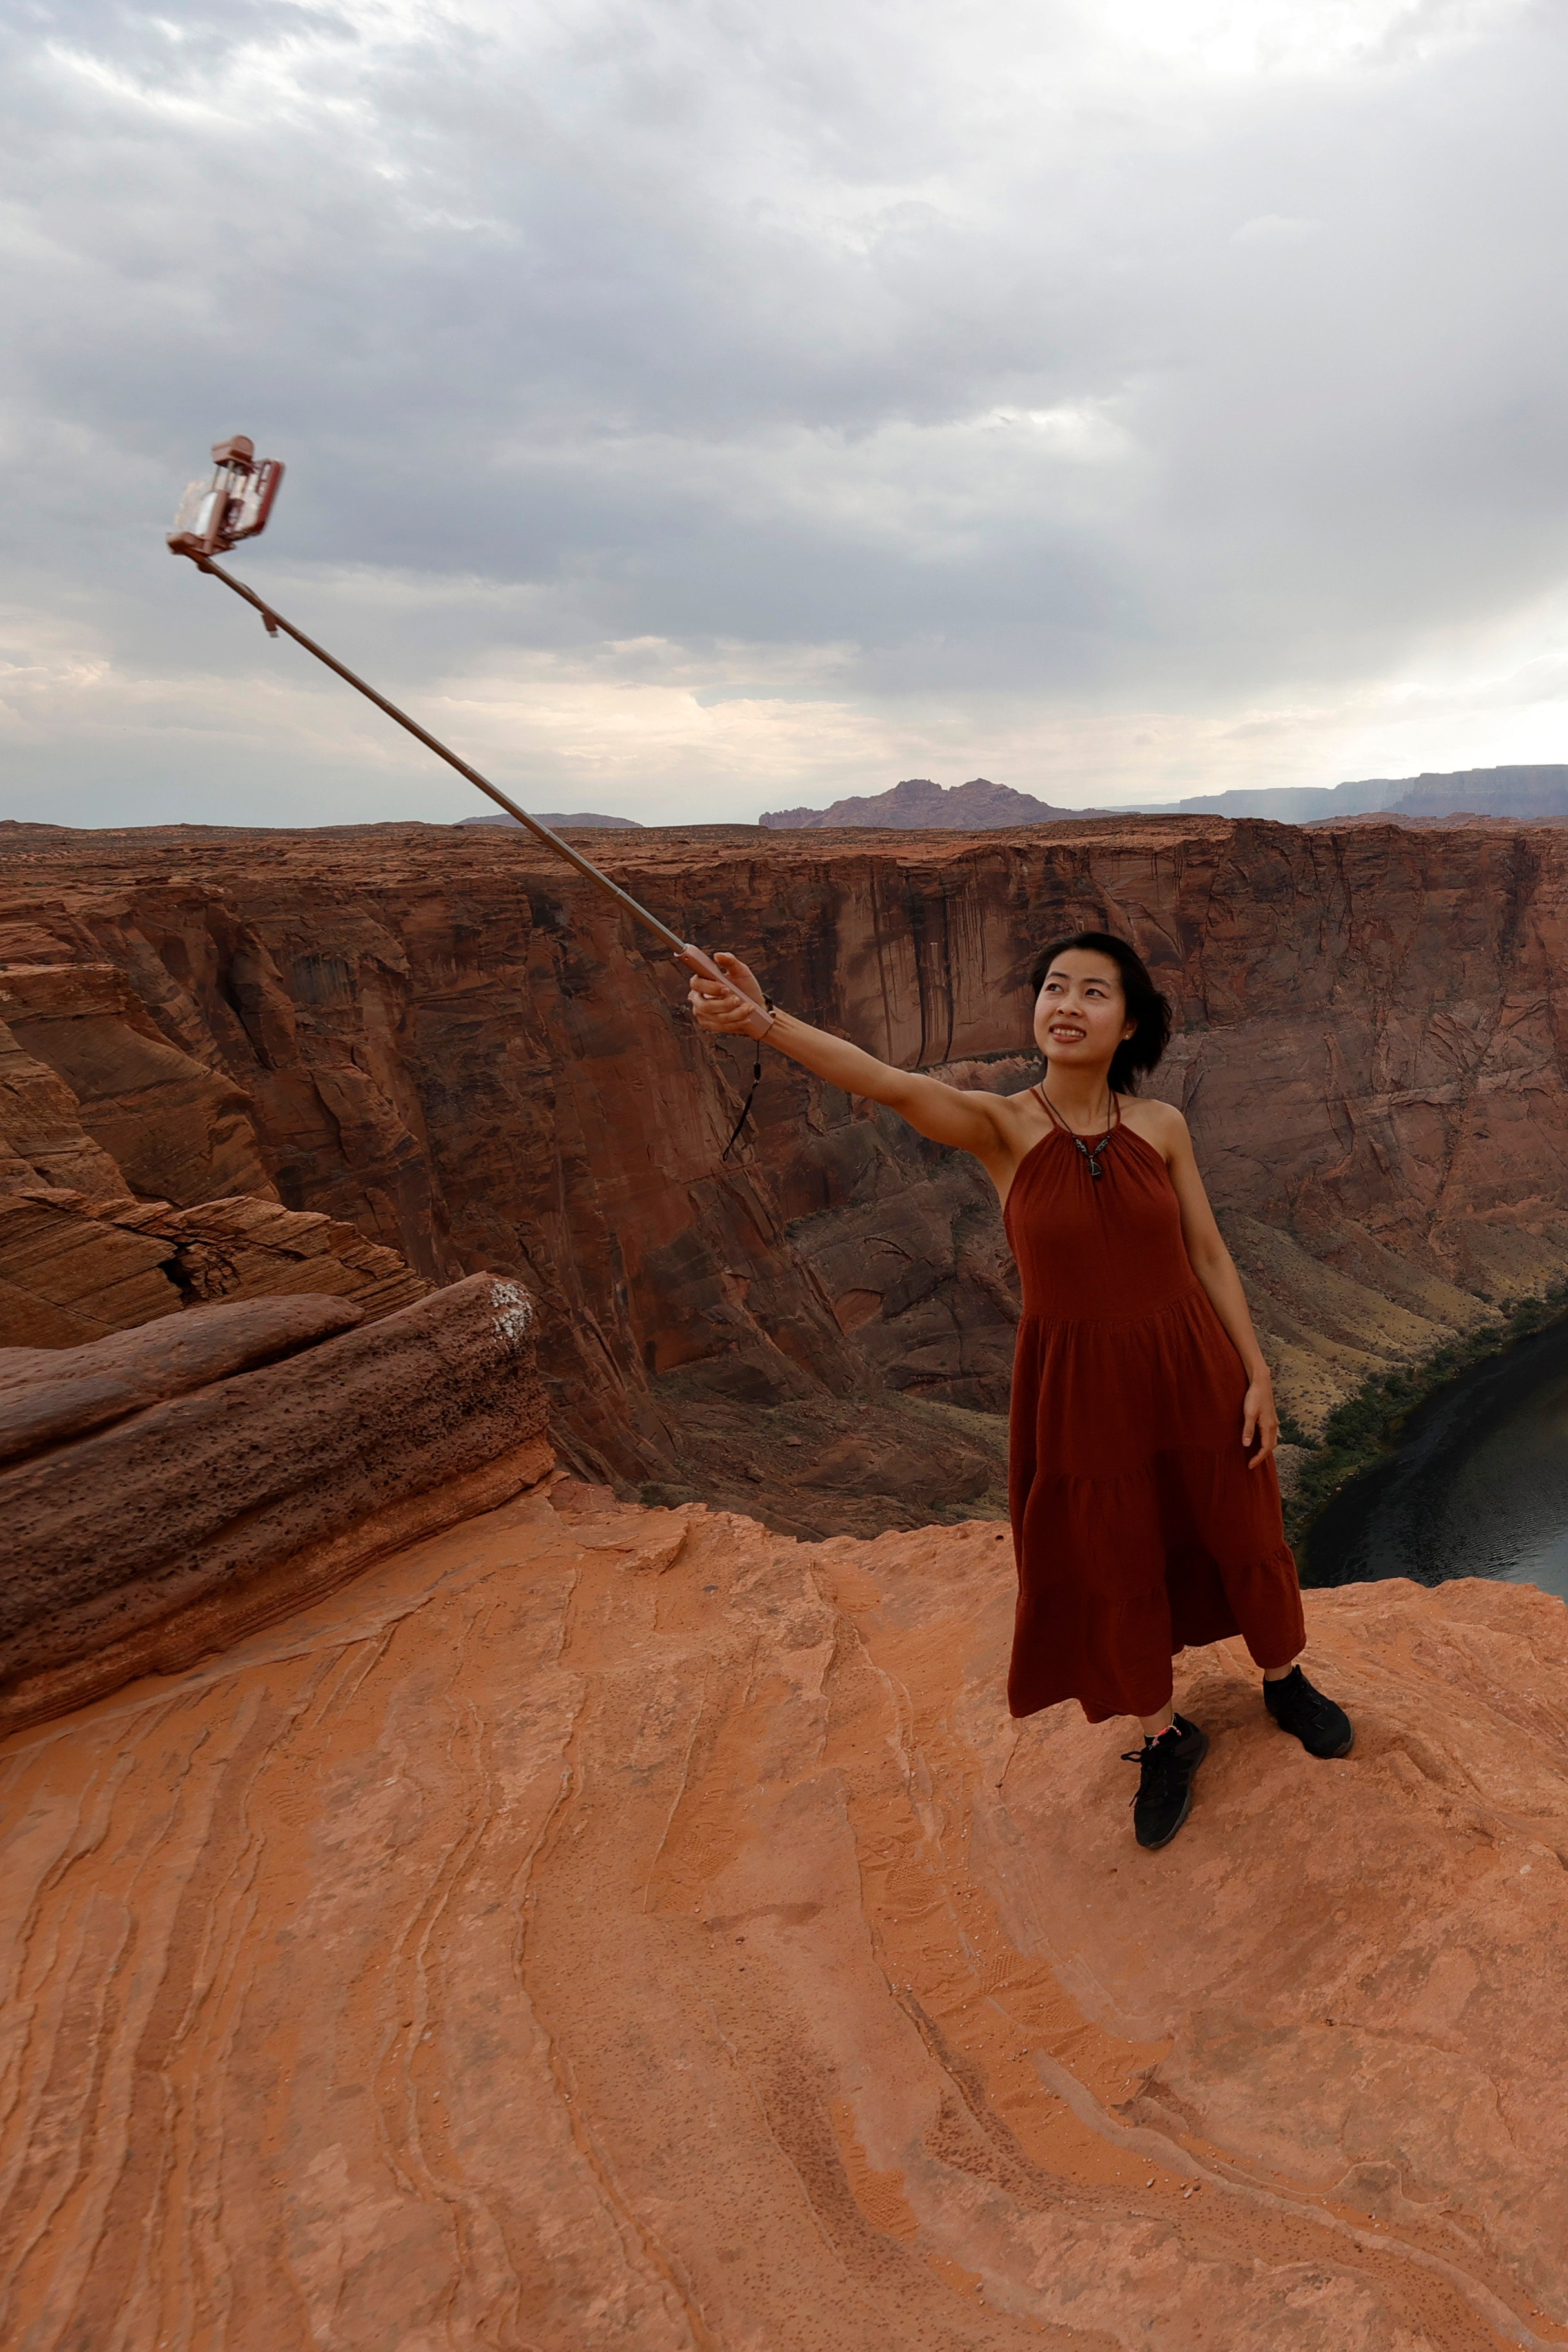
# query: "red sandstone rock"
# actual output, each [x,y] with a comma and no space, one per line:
[42,1140]
[49,1393]
[633,1929]
[177,1128]
[67,1277]
[449,1043]
[246,1248]
[71,1271]
[202,1492]
[195,1629]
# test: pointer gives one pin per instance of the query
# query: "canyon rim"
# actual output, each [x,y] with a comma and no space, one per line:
[528,1848]
[431,1037]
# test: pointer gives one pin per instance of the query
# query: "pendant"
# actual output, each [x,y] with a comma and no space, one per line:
[1095,1170]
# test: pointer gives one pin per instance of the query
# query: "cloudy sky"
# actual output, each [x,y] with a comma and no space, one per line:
[698,406]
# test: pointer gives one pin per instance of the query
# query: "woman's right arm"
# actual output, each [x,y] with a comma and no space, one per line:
[944,1114]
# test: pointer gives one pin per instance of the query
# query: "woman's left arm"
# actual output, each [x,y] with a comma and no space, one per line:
[1215,1269]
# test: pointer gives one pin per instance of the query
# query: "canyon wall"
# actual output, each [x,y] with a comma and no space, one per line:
[437,1036]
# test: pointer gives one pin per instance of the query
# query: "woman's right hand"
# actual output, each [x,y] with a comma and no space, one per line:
[732,1010]
[735,1006]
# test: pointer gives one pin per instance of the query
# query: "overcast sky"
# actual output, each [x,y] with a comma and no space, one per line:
[700,406]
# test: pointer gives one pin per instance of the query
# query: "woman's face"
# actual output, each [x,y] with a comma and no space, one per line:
[1080,1014]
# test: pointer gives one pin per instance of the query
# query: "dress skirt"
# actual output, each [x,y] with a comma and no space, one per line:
[1137,1528]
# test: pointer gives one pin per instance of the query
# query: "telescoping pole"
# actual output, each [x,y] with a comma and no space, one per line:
[235,505]
[187,542]
[275,621]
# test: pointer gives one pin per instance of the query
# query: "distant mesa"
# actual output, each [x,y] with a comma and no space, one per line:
[584,820]
[977,806]
[1518,792]
[1521,793]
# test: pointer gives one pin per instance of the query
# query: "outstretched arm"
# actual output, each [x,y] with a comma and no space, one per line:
[944,1114]
[1215,1269]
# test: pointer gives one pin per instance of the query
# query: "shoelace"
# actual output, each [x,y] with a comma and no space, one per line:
[1311,1706]
[1157,1767]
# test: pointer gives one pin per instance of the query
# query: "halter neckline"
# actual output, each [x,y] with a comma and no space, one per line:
[1090,1151]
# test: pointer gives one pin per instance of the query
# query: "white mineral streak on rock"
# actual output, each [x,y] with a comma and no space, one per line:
[514,1313]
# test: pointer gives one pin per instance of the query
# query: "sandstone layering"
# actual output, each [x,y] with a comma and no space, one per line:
[162,1488]
[445,1047]
[602,1927]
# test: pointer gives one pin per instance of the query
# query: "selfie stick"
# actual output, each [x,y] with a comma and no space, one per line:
[235,505]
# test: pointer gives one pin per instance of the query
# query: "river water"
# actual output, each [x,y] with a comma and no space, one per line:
[1478,1485]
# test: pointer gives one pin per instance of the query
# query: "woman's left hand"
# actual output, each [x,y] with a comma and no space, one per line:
[1260,1423]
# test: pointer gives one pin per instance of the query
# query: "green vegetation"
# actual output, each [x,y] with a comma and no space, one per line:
[1370,1423]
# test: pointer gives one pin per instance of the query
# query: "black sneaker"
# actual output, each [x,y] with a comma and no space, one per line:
[1164,1796]
[1322,1728]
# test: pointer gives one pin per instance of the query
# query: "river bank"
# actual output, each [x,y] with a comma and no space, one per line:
[1471,1478]
[1366,1429]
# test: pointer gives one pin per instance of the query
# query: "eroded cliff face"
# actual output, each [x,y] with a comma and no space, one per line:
[439,1037]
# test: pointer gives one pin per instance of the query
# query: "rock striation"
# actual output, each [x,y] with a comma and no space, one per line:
[442,1042]
[50,1394]
[71,1269]
[606,1927]
[153,1117]
[160,1486]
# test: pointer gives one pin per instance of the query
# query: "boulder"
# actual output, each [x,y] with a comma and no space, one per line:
[50,1394]
[221,1479]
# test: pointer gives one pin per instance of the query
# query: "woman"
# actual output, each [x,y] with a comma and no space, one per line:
[1144,1500]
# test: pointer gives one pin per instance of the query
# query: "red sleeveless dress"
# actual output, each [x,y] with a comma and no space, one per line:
[1137,1526]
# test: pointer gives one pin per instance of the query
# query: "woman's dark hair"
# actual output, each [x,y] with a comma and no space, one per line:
[1151,1012]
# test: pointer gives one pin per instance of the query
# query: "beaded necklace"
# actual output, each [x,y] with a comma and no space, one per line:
[1090,1151]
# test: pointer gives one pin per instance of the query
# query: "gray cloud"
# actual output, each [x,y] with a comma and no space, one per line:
[852,392]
